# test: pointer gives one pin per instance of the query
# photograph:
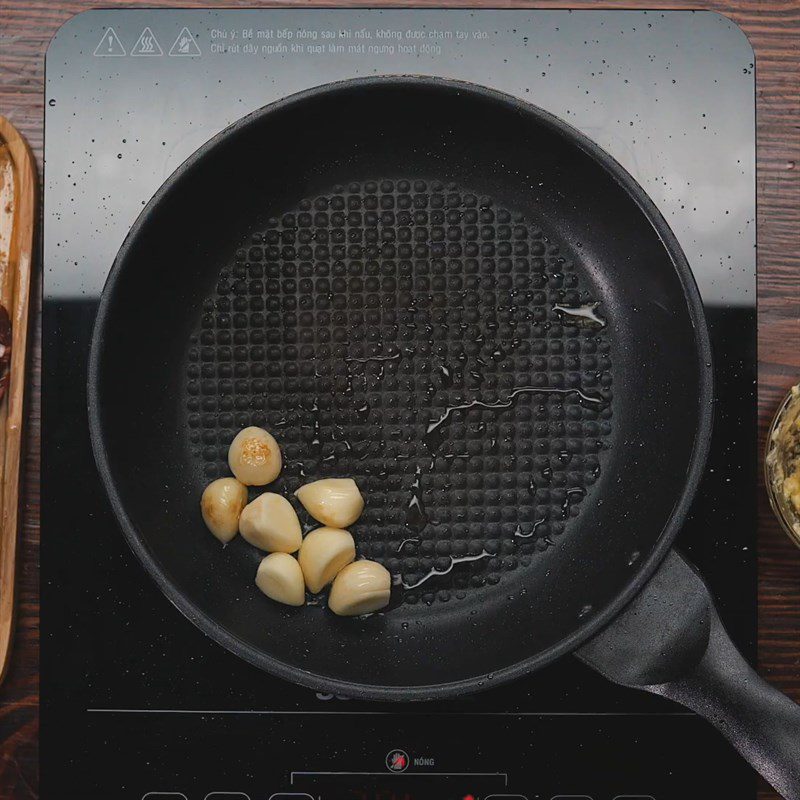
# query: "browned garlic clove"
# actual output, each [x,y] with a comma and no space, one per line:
[255,457]
[221,504]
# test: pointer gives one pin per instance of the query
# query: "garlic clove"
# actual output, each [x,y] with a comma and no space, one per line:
[221,504]
[255,457]
[280,578]
[270,523]
[360,588]
[332,501]
[323,553]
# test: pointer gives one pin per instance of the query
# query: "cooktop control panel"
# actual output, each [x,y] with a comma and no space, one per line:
[136,702]
[354,764]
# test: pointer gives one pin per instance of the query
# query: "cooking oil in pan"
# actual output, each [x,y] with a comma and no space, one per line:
[436,430]
[575,492]
[580,315]
[367,359]
[438,573]
[416,518]
[520,534]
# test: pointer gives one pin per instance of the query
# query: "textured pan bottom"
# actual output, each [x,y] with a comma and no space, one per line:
[354,326]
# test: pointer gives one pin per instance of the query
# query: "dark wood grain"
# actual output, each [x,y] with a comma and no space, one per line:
[773,27]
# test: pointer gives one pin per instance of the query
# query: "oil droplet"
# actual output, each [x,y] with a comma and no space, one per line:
[416,518]
[584,315]
[316,441]
[499,354]
[576,492]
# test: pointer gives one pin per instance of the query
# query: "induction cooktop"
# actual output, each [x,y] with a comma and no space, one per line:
[136,702]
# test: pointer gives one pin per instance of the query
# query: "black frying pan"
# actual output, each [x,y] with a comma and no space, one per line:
[384,273]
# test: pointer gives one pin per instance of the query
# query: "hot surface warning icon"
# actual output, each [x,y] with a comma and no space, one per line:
[185,45]
[109,44]
[147,45]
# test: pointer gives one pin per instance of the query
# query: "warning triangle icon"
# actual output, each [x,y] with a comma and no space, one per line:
[147,45]
[109,44]
[185,45]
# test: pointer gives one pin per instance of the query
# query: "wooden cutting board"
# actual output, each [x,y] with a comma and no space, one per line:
[17,202]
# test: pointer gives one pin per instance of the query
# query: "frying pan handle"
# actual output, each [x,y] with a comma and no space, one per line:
[670,641]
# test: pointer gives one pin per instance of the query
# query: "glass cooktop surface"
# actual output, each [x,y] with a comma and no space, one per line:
[137,702]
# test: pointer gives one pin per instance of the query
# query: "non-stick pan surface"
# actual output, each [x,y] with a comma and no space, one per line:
[377,272]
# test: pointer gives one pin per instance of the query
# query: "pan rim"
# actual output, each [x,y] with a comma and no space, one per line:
[595,623]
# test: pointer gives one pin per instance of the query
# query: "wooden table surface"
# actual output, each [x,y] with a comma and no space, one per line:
[773,27]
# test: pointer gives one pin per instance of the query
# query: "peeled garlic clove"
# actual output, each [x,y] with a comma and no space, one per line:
[332,501]
[279,576]
[270,523]
[221,504]
[360,588]
[254,457]
[323,553]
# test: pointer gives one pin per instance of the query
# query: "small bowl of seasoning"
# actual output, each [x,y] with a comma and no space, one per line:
[782,464]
